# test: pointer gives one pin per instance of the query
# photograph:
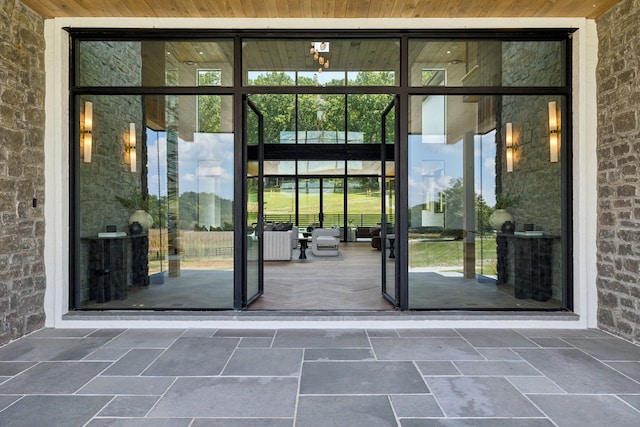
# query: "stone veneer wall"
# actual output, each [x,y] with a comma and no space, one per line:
[22,81]
[618,80]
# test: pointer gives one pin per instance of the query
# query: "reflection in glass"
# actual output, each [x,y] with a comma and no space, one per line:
[321,119]
[356,62]
[458,257]
[486,63]
[279,119]
[186,187]
[155,62]
[365,123]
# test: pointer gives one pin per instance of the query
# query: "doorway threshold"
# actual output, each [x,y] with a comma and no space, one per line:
[324,318]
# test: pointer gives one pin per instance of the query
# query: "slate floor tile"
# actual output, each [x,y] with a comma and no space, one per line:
[7,400]
[243,422]
[10,369]
[245,333]
[53,378]
[480,397]
[145,338]
[632,399]
[321,338]
[423,349]
[498,353]
[129,406]
[338,354]
[587,410]
[428,333]
[107,333]
[52,411]
[339,411]
[361,378]
[232,397]
[139,422]
[415,406]
[61,333]
[496,368]
[199,332]
[577,372]
[607,349]
[273,362]
[134,362]
[194,357]
[106,354]
[478,422]
[535,385]
[380,333]
[551,342]
[50,349]
[630,369]
[560,333]
[443,367]
[495,338]
[146,386]
[255,342]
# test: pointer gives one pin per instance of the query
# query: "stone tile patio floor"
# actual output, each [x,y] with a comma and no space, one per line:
[289,377]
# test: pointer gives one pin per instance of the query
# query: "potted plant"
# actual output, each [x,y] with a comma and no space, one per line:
[500,215]
[138,204]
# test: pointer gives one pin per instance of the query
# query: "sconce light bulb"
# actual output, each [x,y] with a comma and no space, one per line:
[87,138]
[133,160]
[553,117]
[553,147]
[509,146]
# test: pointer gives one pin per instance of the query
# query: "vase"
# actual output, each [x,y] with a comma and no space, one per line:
[499,217]
[141,217]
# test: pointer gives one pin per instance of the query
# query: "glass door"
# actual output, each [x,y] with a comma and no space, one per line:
[321,202]
[390,286]
[254,136]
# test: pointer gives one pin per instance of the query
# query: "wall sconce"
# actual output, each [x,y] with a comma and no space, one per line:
[87,138]
[554,132]
[131,147]
[509,145]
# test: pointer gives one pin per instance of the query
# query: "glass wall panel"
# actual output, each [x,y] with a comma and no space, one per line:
[331,62]
[495,153]
[279,200]
[325,167]
[364,167]
[486,63]
[365,118]
[155,63]
[321,119]
[364,203]
[155,202]
[279,117]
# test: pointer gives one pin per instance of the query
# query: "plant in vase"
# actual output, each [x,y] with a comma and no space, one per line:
[500,215]
[138,204]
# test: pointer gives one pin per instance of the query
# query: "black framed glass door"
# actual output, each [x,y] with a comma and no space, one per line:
[253,285]
[321,201]
[390,284]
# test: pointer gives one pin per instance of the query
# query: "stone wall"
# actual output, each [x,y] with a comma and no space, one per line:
[618,81]
[22,81]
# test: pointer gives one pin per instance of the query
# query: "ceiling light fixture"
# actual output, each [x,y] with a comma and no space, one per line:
[318,48]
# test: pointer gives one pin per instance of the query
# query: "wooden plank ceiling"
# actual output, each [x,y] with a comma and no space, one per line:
[321,8]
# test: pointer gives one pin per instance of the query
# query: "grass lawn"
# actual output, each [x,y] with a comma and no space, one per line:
[450,254]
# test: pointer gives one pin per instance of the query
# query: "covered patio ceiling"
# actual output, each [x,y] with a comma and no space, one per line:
[322,8]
